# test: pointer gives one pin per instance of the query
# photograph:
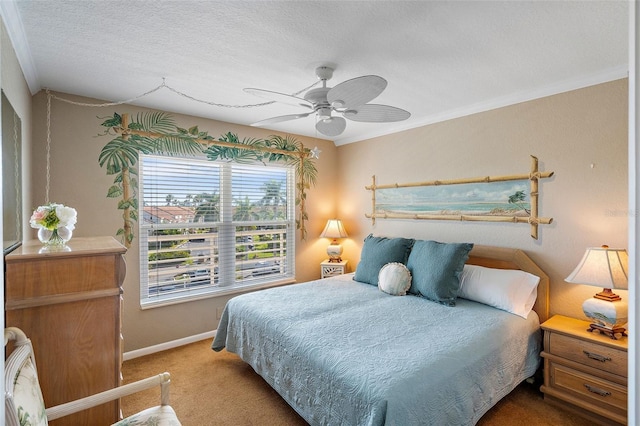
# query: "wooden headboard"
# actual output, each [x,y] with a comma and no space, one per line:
[508,258]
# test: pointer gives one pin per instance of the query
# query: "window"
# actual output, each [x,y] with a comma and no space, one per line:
[211,228]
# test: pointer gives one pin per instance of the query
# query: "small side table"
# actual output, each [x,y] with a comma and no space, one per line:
[585,372]
[331,269]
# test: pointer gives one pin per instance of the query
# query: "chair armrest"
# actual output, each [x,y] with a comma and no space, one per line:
[109,395]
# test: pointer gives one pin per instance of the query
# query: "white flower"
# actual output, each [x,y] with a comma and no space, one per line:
[67,216]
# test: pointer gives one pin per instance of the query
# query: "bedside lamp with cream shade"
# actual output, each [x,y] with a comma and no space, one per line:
[334,230]
[607,268]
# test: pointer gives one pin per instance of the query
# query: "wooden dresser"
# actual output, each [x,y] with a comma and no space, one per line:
[585,372]
[68,302]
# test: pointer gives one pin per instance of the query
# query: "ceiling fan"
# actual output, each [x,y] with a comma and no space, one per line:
[348,98]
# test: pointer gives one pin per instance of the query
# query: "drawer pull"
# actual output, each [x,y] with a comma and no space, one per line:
[597,357]
[596,390]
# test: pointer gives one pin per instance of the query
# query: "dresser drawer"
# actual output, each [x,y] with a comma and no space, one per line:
[594,355]
[591,390]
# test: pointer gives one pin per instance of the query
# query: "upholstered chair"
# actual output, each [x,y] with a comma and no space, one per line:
[24,404]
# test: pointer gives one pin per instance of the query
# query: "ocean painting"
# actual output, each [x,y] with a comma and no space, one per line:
[503,198]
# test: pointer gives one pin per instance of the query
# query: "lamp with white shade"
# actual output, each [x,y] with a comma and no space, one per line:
[334,230]
[607,268]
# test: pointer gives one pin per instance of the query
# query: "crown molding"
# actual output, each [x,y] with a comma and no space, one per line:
[512,99]
[13,23]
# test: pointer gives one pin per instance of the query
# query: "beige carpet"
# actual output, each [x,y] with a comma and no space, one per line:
[218,388]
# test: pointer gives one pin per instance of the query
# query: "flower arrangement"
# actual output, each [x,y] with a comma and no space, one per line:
[58,219]
[53,216]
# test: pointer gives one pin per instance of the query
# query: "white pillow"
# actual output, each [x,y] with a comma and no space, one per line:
[394,278]
[511,290]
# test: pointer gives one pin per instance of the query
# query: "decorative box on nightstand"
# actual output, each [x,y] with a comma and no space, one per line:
[331,269]
[585,372]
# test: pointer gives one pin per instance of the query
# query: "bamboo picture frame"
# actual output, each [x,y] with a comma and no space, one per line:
[515,215]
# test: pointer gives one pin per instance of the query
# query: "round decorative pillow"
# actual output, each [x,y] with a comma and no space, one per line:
[394,278]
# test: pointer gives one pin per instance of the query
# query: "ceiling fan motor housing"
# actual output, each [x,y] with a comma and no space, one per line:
[318,97]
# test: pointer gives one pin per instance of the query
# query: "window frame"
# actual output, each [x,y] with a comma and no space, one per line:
[222,269]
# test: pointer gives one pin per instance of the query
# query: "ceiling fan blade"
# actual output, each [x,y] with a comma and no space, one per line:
[280,119]
[357,91]
[373,113]
[331,126]
[279,97]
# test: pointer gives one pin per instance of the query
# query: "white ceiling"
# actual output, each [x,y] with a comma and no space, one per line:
[442,59]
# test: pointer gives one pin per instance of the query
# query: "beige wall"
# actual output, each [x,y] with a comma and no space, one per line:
[78,181]
[579,135]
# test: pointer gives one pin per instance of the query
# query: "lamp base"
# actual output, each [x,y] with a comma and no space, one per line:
[334,251]
[614,333]
[608,317]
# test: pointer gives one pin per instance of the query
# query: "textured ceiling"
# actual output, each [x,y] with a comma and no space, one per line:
[442,59]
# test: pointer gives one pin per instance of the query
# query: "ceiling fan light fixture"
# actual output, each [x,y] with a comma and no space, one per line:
[333,127]
[324,113]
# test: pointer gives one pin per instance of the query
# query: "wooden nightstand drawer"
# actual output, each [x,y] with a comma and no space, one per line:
[585,373]
[590,389]
[594,355]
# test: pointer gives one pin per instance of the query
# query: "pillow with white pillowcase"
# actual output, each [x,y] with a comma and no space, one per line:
[510,290]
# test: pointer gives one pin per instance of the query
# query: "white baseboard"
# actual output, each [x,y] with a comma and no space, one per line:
[168,345]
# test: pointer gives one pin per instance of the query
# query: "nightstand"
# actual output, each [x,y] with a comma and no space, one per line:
[331,269]
[585,372]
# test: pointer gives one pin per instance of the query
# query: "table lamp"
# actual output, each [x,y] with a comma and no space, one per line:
[607,268]
[335,230]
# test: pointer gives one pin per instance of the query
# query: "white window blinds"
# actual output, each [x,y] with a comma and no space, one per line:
[213,227]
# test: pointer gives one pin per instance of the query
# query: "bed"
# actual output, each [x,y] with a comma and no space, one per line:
[341,351]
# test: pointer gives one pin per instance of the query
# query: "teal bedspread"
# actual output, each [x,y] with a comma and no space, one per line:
[344,353]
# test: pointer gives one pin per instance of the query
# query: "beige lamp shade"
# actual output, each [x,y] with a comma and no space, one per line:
[334,229]
[607,268]
[602,267]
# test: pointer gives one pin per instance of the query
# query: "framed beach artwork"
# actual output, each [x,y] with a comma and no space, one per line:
[512,198]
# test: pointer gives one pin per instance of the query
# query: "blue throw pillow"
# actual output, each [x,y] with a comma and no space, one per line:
[435,269]
[377,252]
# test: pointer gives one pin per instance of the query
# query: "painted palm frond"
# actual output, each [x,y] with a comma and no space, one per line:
[287,143]
[302,163]
[115,121]
[118,155]
[176,145]
[158,122]
[239,155]
[309,170]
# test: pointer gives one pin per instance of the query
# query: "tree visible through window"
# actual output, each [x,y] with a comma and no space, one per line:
[213,227]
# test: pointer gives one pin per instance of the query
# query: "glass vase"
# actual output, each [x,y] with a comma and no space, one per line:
[54,237]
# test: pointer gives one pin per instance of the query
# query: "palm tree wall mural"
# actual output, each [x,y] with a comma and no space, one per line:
[157,133]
